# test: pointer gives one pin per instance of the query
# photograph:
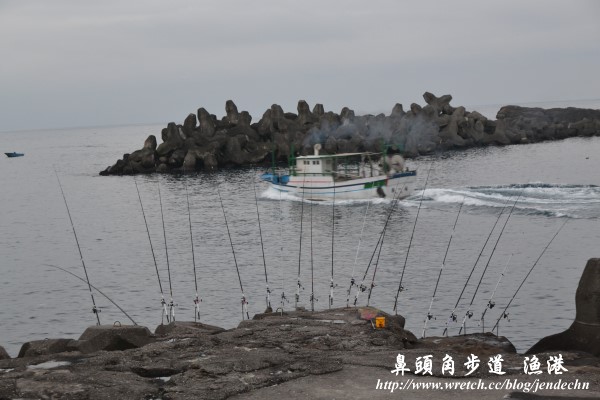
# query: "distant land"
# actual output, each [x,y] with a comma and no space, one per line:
[203,142]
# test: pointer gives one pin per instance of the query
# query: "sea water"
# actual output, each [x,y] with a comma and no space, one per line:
[553,182]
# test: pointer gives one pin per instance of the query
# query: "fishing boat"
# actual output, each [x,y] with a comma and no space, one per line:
[14,154]
[345,176]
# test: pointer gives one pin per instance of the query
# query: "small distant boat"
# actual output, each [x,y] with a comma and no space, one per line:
[14,154]
[345,176]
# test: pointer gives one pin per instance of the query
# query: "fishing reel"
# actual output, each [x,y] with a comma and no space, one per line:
[96,310]
[491,304]
[313,298]
[197,300]
[505,316]
[452,318]
[284,299]
[430,316]
[401,289]
[469,314]
[362,288]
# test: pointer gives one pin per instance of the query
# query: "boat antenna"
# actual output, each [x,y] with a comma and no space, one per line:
[504,314]
[331,284]
[244,300]
[298,284]
[95,288]
[452,316]
[429,316]
[162,300]
[262,247]
[171,313]
[469,312]
[352,280]
[400,287]
[95,309]
[490,304]
[197,299]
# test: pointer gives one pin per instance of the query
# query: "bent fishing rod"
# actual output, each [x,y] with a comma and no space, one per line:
[504,314]
[171,314]
[95,288]
[312,265]
[95,309]
[429,316]
[469,312]
[165,312]
[244,300]
[262,247]
[491,304]
[400,287]
[452,317]
[197,299]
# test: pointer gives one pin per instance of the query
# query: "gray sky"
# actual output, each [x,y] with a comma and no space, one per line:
[83,63]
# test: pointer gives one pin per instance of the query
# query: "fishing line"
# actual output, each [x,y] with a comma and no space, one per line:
[95,288]
[452,316]
[262,247]
[171,315]
[244,301]
[352,281]
[400,287]
[491,303]
[197,299]
[162,301]
[298,284]
[469,313]
[331,285]
[429,315]
[504,314]
[95,309]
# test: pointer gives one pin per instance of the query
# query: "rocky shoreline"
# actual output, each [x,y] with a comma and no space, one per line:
[204,142]
[335,353]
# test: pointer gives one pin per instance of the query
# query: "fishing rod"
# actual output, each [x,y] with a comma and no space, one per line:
[352,281]
[95,288]
[491,304]
[95,309]
[171,314]
[394,205]
[283,298]
[331,284]
[197,299]
[312,266]
[163,303]
[298,284]
[429,315]
[244,301]
[452,317]
[469,313]
[362,288]
[504,314]
[262,247]
[400,287]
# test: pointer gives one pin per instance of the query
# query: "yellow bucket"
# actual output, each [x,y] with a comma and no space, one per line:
[380,322]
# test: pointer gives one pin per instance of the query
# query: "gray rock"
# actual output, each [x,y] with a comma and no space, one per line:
[48,346]
[111,338]
[584,333]
[3,354]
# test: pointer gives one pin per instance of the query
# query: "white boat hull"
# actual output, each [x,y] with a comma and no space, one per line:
[399,185]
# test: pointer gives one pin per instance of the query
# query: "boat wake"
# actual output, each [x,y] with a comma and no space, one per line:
[553,200]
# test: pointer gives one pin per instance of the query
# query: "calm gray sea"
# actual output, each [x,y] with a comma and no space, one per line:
[556,181]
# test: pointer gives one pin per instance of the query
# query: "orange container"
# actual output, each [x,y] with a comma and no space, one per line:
[380,322]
